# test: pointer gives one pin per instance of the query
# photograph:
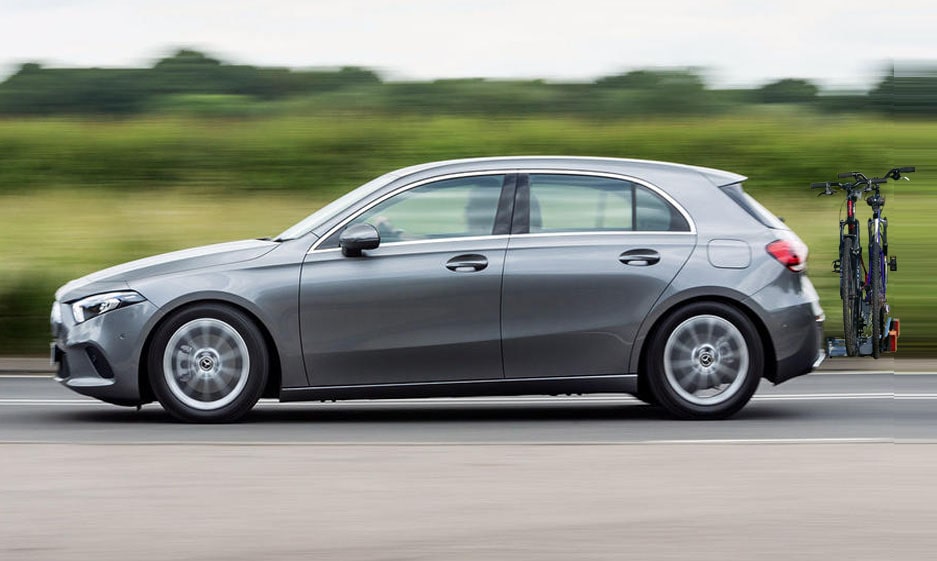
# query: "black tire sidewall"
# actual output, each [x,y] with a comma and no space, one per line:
[876,300]
[257,374]
[850,296]
[668,398]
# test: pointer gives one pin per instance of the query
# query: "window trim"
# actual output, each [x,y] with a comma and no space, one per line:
[510,186]
[523,200]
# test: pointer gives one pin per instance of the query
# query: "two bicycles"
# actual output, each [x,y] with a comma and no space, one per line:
[863,284]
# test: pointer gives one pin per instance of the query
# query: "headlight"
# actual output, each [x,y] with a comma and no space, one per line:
[93,306]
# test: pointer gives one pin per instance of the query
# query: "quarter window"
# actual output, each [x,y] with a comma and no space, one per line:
[579,203]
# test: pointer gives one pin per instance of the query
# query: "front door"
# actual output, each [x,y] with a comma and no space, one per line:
[425,305]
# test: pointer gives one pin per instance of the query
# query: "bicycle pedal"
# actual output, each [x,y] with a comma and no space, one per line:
[892,263]
[837,265]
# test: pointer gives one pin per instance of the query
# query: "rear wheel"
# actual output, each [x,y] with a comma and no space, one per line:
[208,363]
[706,362]
[850,295]
[877,297]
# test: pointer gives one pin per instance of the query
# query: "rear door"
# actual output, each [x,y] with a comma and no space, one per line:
[588,257]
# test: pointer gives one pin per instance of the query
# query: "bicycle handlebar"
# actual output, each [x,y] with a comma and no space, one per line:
[871,184]
[895,173]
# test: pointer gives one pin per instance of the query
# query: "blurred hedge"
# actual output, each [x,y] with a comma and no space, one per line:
[129,188]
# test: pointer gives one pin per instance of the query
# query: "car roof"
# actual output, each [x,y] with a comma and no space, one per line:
[626,166]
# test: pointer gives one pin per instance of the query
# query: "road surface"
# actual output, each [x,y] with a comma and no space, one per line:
[826,406]
[836,465]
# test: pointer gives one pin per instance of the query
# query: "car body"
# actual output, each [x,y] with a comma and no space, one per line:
[488,276]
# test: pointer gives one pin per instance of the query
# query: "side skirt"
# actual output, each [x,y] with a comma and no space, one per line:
[615,383]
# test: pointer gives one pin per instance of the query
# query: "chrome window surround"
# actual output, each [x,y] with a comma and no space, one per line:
[656,190]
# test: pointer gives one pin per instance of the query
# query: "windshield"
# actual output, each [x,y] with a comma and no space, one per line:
[328,211]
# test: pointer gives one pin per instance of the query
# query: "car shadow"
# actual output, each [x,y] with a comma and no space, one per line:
[412,413]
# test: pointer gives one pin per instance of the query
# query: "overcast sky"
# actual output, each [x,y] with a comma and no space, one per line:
[736,42]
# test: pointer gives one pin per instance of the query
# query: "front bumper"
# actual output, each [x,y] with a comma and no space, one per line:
[100,357]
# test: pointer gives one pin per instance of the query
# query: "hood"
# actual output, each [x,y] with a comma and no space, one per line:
[117,277]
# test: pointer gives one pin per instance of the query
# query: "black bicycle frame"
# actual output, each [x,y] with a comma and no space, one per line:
[850,228]
[878,232]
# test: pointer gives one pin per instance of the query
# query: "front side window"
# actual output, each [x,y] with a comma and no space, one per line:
[451,208]
[579,203]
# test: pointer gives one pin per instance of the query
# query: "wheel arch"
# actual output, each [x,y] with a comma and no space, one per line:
[640,364]
[274,374]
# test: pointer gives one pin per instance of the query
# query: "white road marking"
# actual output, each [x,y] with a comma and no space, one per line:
[771,441]
[877,372]
[46,377]
[510,401]
[512,443]
[846,373]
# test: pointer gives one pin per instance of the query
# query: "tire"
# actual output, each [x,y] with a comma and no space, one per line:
[876,297]
[706,342]
[644,393]
[850,296]
[208,363]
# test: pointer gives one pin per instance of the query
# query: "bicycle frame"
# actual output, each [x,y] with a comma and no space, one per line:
[865,308]
[850,228]
[878,232]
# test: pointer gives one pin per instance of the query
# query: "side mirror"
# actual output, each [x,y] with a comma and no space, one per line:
[358,237]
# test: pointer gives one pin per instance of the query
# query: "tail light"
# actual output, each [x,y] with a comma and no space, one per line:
[789,253]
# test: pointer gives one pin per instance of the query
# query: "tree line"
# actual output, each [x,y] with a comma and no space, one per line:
[192,81]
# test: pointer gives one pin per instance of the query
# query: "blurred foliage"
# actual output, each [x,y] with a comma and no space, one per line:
[788,90]
[191,82]
[77,195]
[907,89]
[35,90]
[100,166]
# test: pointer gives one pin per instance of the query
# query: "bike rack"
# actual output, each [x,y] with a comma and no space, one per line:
[836,346]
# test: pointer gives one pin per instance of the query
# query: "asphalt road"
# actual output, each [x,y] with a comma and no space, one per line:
[828,405]
[835,465]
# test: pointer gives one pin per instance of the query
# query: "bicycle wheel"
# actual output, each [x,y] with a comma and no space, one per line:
[876,297]
[850,295]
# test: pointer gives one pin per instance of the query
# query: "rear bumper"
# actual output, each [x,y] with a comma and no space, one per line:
[807,358]
[794,321]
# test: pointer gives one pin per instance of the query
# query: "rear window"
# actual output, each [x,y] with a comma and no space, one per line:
[753,207]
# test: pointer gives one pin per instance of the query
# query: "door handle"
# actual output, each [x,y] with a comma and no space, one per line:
[640,257]
[467,263]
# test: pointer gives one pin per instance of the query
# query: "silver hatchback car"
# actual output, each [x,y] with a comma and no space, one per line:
[493,276]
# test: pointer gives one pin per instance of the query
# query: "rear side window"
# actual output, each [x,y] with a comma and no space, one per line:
[581,203]
[753,207]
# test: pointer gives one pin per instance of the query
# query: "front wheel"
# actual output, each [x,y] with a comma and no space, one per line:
[705,362]
[208,363]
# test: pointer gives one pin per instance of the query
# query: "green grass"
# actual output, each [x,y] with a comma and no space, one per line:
[78,195]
